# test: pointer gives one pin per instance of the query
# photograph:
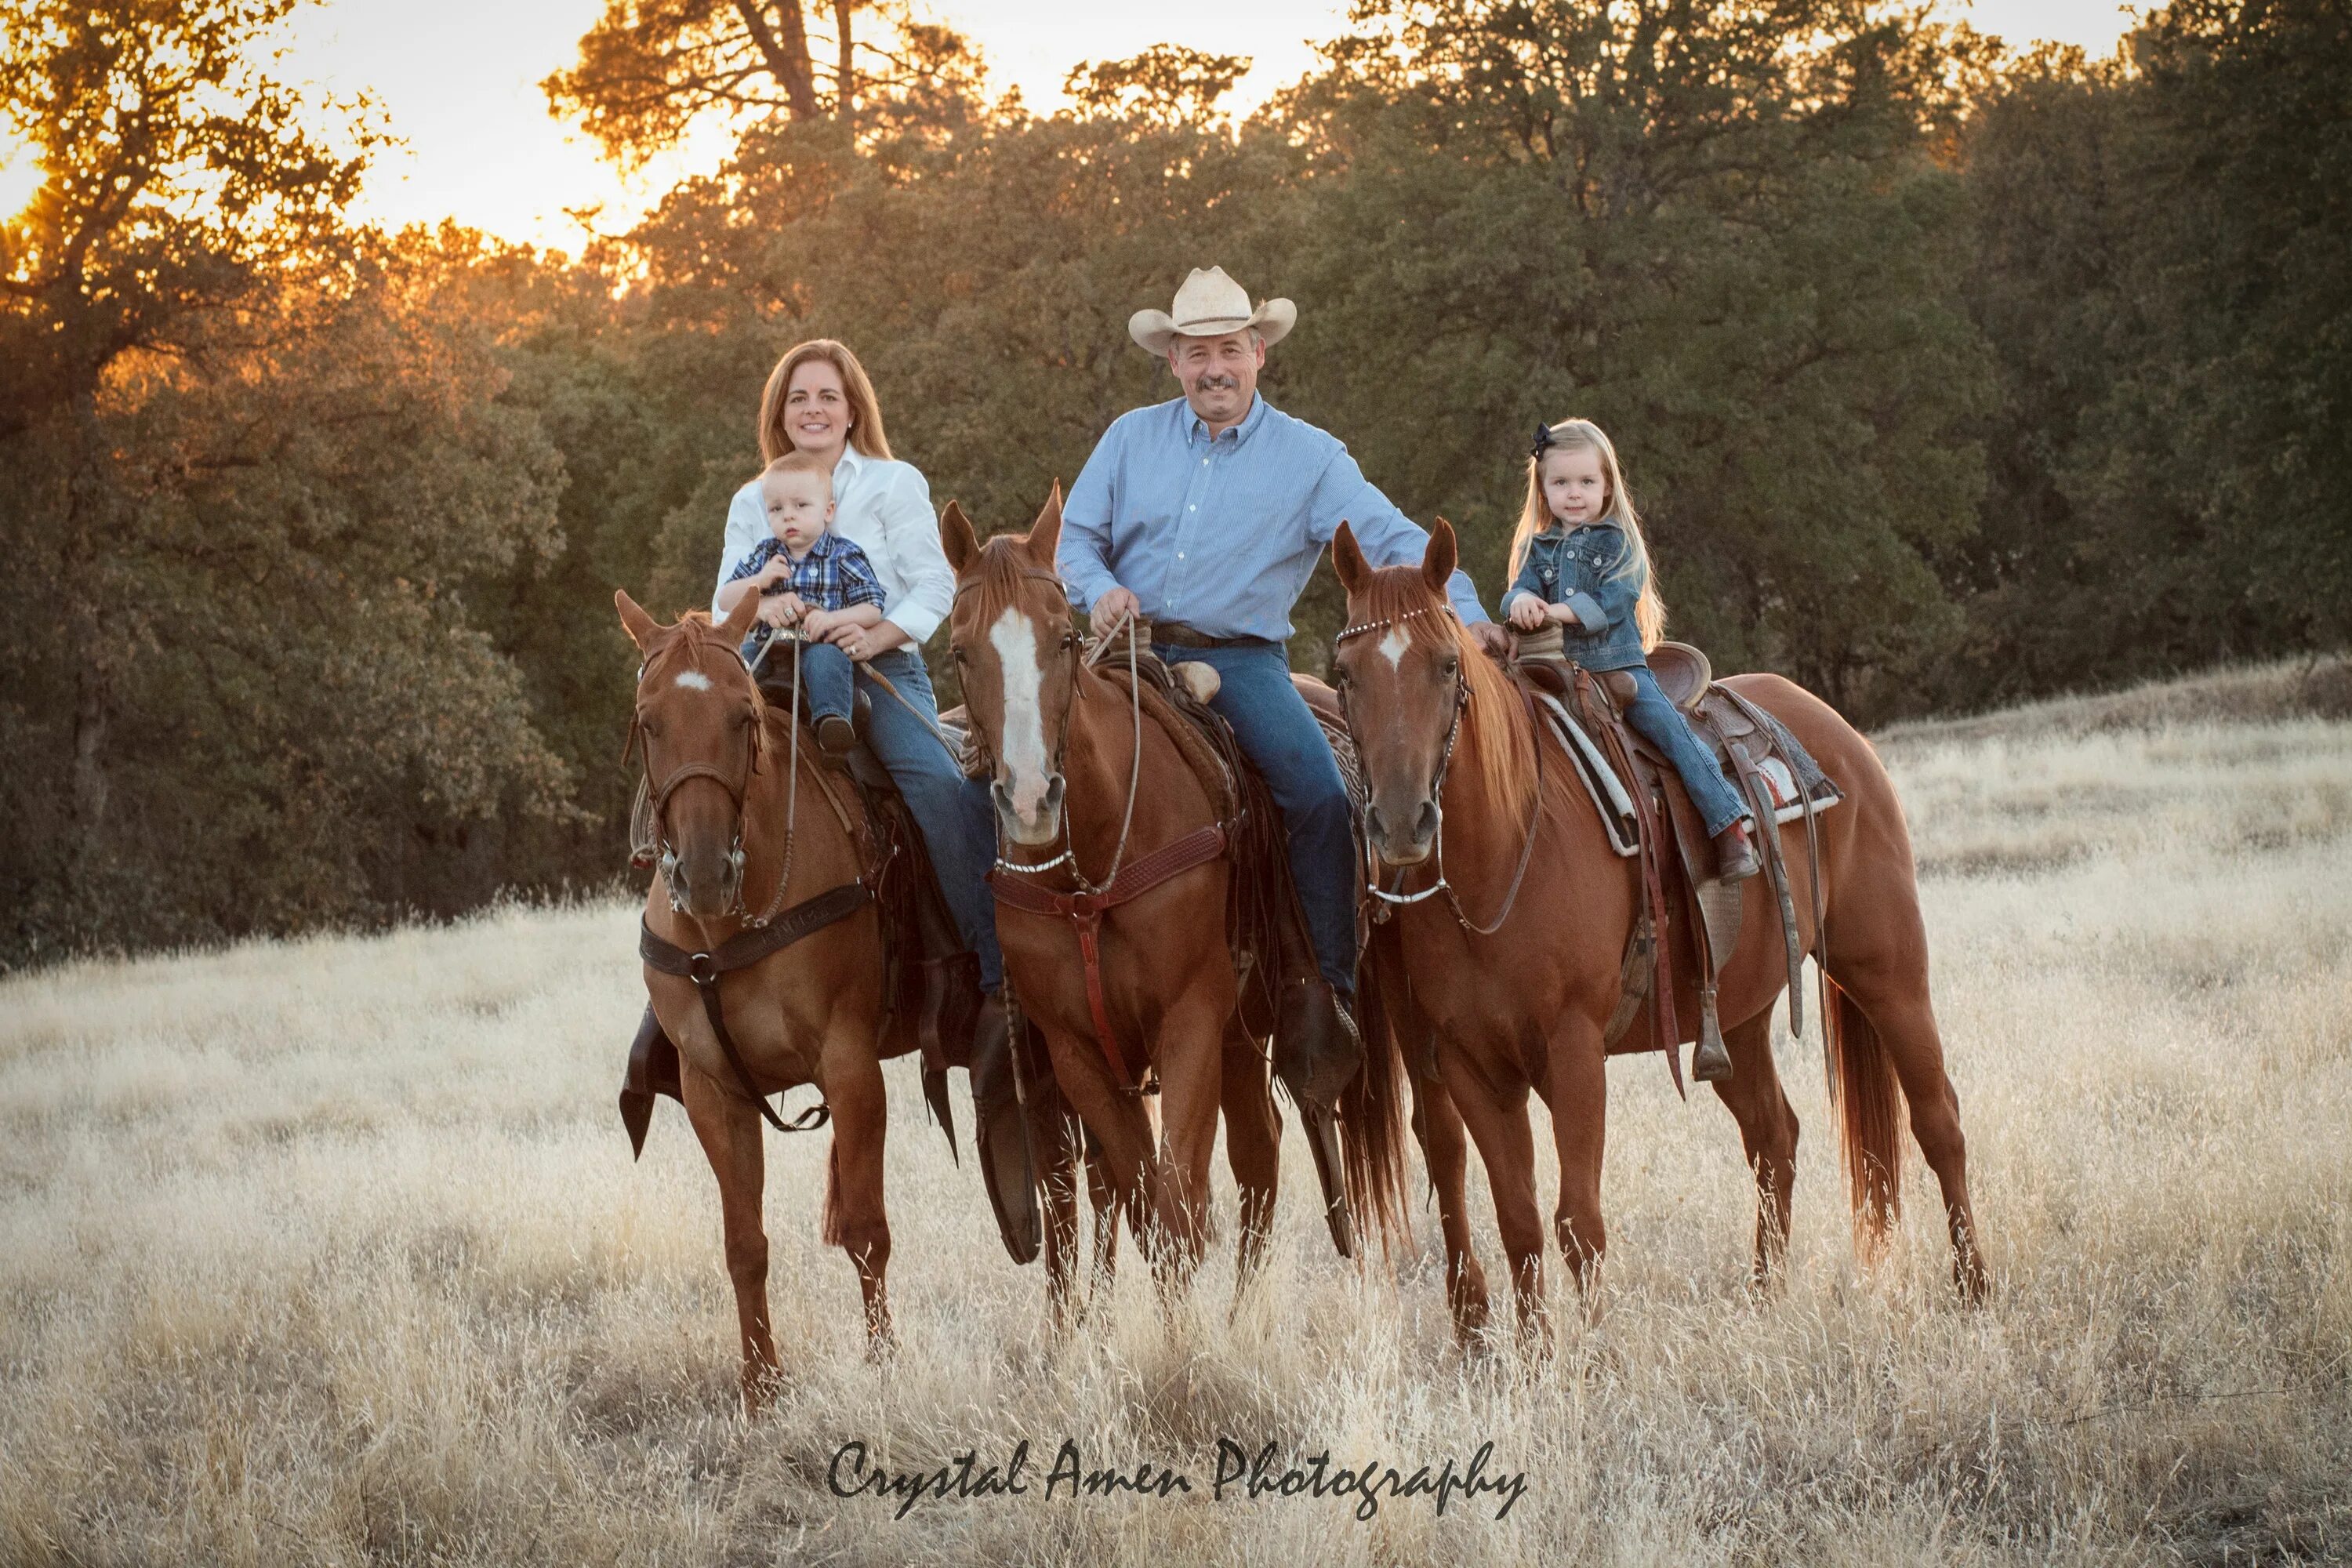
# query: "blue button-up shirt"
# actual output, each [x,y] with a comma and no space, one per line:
[1222,534]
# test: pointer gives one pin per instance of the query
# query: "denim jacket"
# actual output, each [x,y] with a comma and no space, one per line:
[1583,568]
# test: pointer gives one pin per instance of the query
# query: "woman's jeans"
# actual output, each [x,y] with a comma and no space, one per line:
[1662,724]
[958,823]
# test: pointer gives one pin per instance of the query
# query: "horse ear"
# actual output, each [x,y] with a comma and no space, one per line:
[1046,533]
[1348,561]
[958,538]
[1438,561]
[742,617]
[641,628]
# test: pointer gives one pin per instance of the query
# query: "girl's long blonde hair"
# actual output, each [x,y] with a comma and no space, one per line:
[865,409]
[1650,609]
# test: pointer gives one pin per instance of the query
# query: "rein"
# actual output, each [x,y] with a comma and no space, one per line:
[1437,797]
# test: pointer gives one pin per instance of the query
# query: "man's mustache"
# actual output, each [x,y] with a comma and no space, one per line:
[1217,384]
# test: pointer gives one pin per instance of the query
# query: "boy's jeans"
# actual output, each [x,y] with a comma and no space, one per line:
[824,680]
[825,674]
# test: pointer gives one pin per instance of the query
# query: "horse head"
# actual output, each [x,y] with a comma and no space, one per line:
[699,715]
[1016,653]
[1411,683]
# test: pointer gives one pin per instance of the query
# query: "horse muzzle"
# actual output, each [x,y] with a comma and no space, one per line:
[1034,828]
[705,886]
[1407,846]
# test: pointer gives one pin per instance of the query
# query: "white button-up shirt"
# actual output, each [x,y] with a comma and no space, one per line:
[884,507]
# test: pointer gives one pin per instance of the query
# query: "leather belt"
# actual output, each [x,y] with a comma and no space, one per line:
[1176,633]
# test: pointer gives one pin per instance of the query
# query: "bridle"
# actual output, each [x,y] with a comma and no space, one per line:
[736,786]
[1437,797]
[1068,856]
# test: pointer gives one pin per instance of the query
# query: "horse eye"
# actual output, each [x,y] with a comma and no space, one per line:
[1453,667]
[957,653]
[1069,641]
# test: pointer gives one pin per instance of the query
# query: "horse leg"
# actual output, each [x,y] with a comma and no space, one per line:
[1883,965]
[1192,1070]
[728,1128]
[1253,1147]
[1102,1197]
[1579,1099]
[1767,1131]
[1123,1157]
[1053,1141]
[1445,1146]
[1498,1125]
[854,1219]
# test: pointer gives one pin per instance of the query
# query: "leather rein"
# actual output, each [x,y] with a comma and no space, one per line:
[1437,797]
[1084,906]
[759,938]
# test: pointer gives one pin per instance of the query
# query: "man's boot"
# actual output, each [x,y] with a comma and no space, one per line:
[1735,854]
[1316,1051]
[1001,1134]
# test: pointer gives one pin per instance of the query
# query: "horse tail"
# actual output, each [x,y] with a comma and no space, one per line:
[1868,1101]
[829,1228]
[1371,1120]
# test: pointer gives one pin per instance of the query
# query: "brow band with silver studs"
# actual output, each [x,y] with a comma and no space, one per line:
[1393,620]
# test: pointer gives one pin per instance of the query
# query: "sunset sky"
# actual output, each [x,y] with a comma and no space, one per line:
[458,80]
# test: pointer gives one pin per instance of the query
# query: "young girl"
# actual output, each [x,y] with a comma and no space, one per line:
[1579,561]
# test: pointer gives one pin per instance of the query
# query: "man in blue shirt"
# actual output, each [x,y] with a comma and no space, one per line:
[1206,515]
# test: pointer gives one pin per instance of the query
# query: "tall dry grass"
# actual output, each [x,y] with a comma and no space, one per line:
[331,1251]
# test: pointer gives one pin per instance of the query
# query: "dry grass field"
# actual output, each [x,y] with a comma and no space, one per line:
[331,1251]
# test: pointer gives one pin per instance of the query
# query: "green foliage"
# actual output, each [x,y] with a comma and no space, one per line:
[2160,268]
[1941,377]
[251,463]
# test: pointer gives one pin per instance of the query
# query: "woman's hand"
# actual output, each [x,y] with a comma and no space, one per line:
[862,642]
[782,609]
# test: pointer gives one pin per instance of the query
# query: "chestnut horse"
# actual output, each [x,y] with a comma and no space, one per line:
[739,847]
[1065,741]
[1447,741]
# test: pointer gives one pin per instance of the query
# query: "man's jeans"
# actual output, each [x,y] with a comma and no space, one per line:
[958,823]
[1661,723]
[1278,733]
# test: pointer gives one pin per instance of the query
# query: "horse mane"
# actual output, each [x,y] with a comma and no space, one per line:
[1003,574]
[1493,724]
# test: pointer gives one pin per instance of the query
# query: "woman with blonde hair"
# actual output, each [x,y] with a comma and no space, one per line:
[1579,561]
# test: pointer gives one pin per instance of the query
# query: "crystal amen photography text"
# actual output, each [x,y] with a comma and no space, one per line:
[1238,1475]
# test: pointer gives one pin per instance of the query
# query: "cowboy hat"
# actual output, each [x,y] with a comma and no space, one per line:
[1210,305]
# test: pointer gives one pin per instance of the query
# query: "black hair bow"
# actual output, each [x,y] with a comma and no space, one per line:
[1544,441]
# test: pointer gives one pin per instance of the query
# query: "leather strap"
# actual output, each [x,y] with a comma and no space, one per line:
[740,952]
[1662,1006]
[1085,911]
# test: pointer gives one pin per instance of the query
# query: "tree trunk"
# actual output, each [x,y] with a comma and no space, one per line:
[845,73]
[787,59]
[84,639]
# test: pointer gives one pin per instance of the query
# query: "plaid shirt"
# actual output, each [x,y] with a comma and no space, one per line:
[834,576]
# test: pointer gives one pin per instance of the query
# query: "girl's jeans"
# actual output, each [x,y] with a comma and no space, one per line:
[1662,724]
